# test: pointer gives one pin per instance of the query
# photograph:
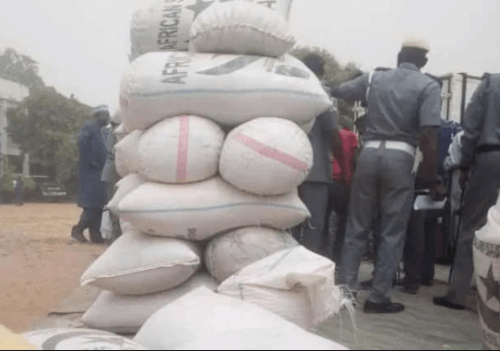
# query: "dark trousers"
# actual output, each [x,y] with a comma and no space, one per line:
[312,234]
[91,219]
[420,248]
[339,203]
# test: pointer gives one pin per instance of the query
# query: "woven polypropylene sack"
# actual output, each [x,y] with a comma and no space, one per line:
[241,28]
[207,320]
[266,156]
[227,89]
[127,155]
[137,264]
[165,25]
[127,314]
[229,253]
[123,188]
[485,249]
[198,211]
[296,284]
[79,339]
[181,150]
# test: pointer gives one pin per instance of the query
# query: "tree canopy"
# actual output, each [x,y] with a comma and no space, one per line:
[20,68]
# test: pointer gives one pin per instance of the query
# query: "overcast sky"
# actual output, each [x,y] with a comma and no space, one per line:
[82,45]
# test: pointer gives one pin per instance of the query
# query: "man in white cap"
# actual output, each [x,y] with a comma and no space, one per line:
[404,109]
[92,192]
[481,161]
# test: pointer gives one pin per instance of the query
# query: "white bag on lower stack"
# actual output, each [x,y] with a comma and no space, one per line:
[229,253]
[266,156]
[181,150]
[296,284]
[203,320]
[241,28]
[127,314]
[138,264]
[164,25]
[198,211]
[127,155]
[123,188]
[168,84]
[79,339]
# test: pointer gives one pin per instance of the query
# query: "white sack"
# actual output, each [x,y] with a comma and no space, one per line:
[197,211]
[123,188]
[165,25]
[296,284]
[241,28]
[181,150]
[106,226]
[138,264]
[229,253]
[202,319]
[227,89]
[127,314]
[126,154]
[121,132]
[266,156]
[79,339]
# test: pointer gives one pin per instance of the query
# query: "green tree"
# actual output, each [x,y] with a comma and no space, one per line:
[45,125]
[335,73]
[20,68]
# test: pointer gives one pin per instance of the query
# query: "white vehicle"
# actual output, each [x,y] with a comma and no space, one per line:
[458,89]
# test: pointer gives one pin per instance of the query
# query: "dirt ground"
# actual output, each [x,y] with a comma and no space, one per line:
[39,263]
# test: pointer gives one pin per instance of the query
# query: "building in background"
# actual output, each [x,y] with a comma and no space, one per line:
[11,94]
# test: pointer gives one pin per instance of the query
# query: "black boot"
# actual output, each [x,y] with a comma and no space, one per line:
[383,308]
[77,234]
[96,237]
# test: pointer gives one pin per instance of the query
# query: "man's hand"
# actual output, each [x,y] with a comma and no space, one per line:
[438,192]
[464,178]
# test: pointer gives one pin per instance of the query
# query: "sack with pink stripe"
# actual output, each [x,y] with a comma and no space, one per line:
[181,150]
[266,156]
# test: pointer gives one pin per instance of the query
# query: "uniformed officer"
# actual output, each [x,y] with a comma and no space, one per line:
[480,160]
[404,108]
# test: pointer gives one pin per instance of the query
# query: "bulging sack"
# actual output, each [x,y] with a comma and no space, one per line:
[165,25]
[126,154]
[203,320]
[127,314]
[266,156]
[138,264]
[79,339]
[198,211]
[296,284]
[229,253]
[181,150]
[169,84]
[241,28]
[123,188]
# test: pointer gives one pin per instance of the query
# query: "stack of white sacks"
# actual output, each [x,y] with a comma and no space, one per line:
[210,167]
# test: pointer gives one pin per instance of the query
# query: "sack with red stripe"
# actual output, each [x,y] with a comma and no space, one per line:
[181,150]
[266,156]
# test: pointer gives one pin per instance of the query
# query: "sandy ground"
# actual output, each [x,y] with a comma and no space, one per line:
[39,264]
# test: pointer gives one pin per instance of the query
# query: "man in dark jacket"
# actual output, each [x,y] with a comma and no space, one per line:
[92,192]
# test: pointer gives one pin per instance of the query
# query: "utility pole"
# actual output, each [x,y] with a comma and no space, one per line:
[1,168]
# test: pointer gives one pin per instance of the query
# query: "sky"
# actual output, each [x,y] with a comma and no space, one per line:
[82,45]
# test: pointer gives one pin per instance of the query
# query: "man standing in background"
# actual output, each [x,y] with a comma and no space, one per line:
[92,192]
[314,192]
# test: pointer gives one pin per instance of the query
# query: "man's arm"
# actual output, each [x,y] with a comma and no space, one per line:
[430,122]
[354,90]
[473,124]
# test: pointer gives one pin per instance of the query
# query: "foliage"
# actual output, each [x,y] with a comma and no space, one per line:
[45,125]
[335,73]
[20,68]
[9,176]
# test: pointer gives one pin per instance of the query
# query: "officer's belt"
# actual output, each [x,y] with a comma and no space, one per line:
[392,145]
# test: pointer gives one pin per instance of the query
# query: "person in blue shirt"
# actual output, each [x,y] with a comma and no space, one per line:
[92,192]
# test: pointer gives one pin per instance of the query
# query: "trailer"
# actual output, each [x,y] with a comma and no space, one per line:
[458,89]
